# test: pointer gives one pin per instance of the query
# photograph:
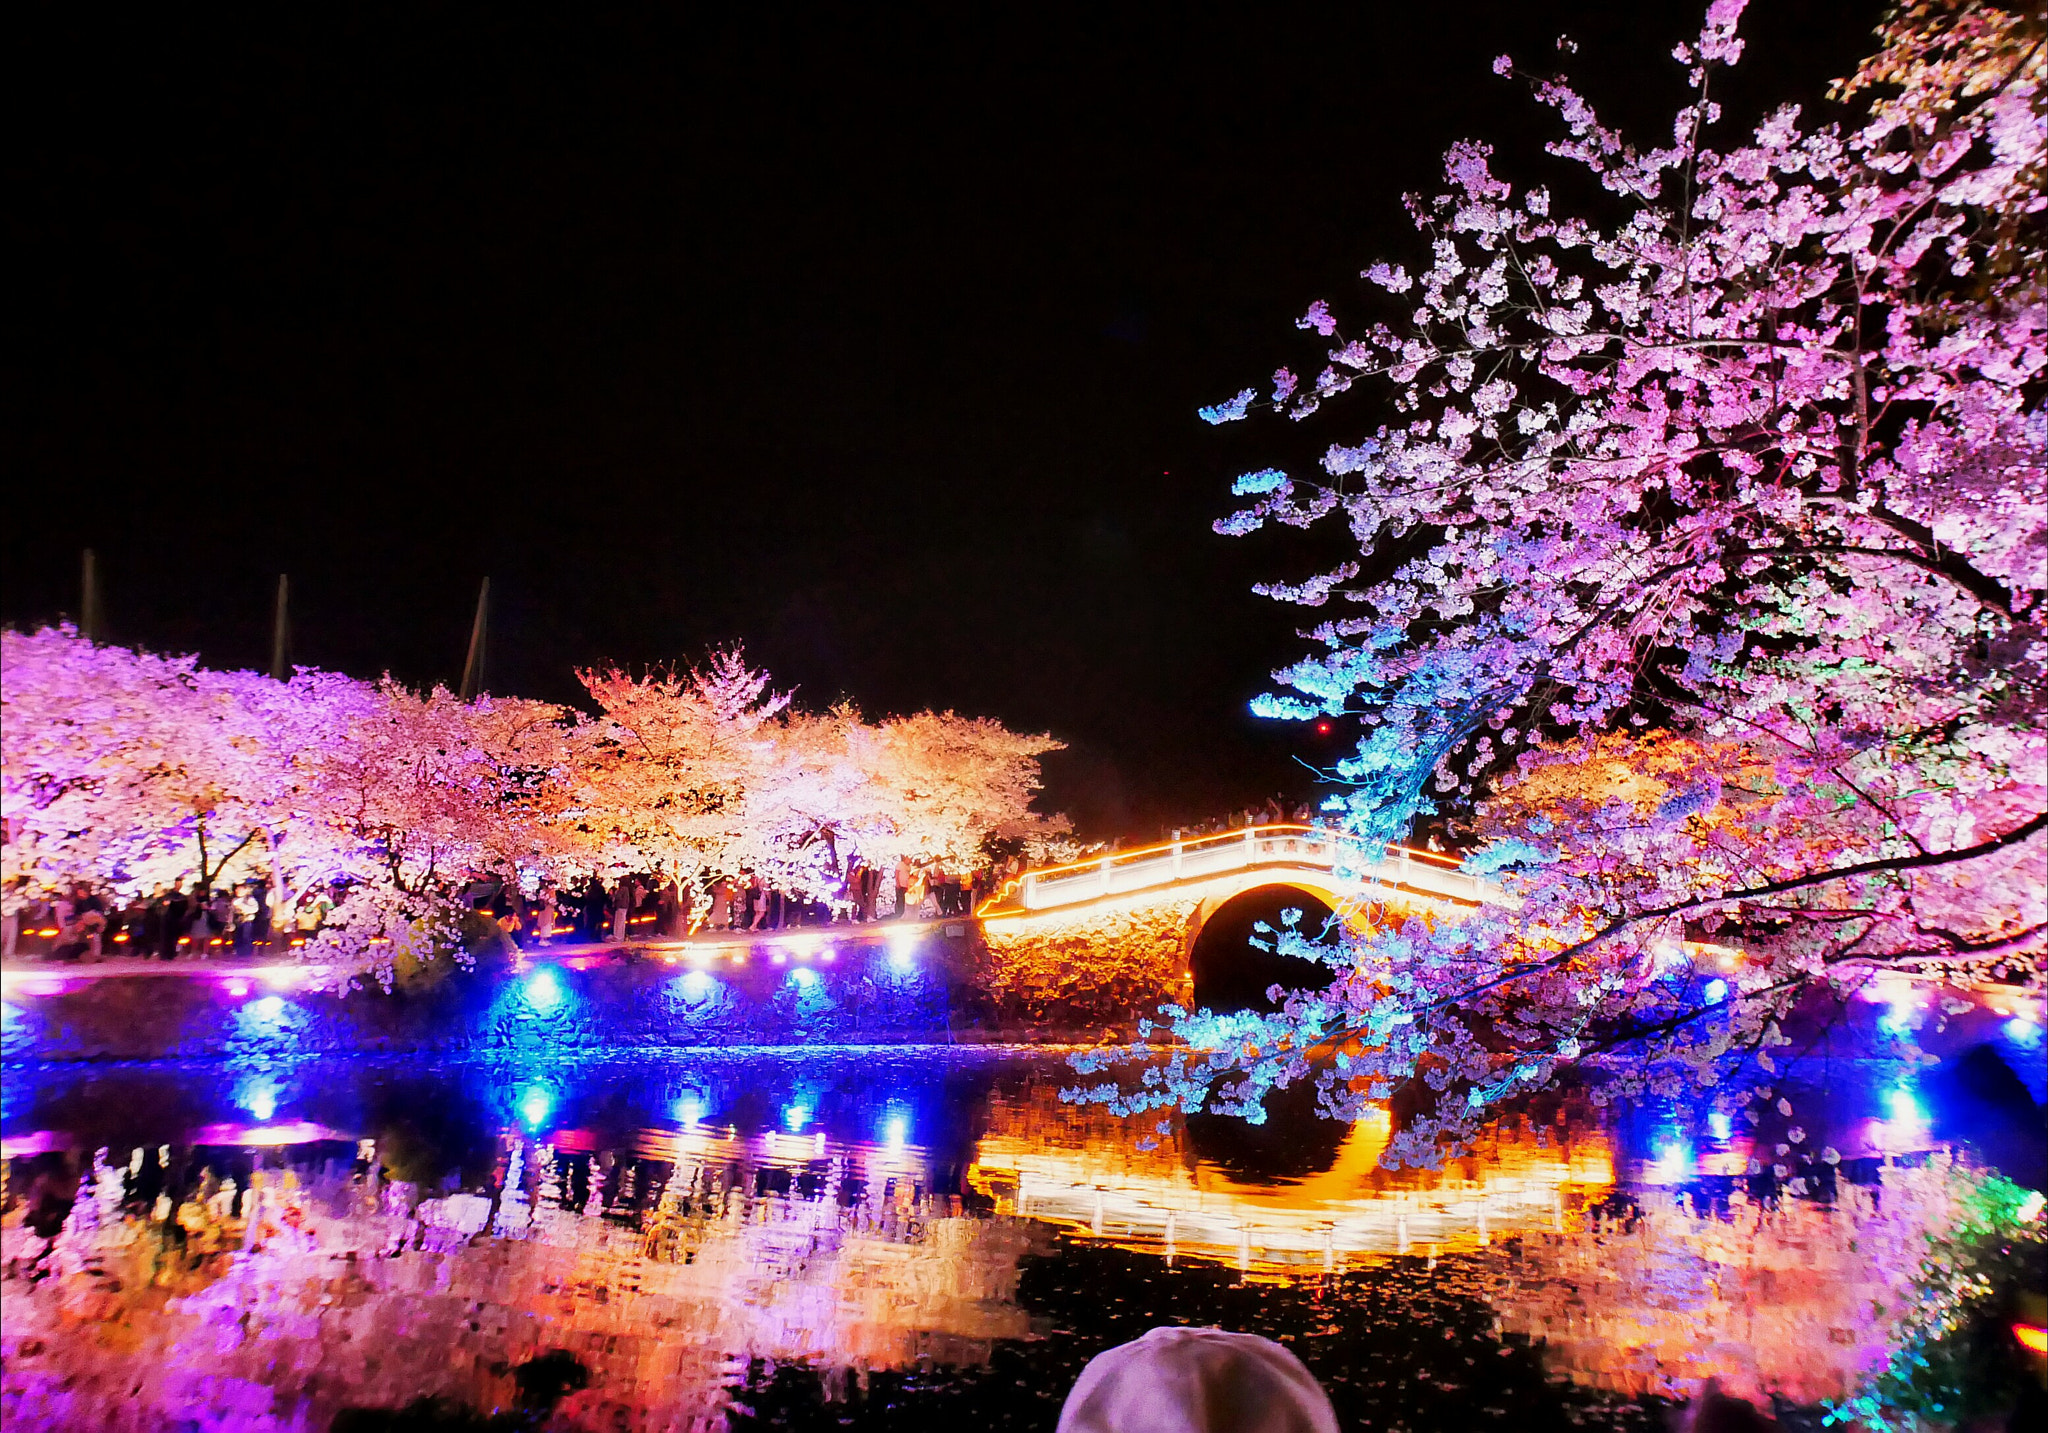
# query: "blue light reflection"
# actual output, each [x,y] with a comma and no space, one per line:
[258,1096]
[544,989]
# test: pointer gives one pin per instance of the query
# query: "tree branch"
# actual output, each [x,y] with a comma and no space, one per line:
[1886,866]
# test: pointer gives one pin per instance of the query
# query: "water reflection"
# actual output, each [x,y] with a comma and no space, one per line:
[1792,1298]
[265,1247]
[1081,1169]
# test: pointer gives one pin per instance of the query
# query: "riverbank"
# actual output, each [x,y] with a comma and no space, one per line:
[915,983]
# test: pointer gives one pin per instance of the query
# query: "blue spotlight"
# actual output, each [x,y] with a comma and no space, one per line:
[804,977]
[2023,1032]
[795,1117]
[544,989]
[536,1105]
[269,1009]
[1716,991]
[259,1098]
[1719,1125]
[1674,1162]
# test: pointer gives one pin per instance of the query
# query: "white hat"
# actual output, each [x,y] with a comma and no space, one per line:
[1180,1380]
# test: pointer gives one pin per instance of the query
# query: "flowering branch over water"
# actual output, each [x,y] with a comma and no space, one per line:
[1700,562]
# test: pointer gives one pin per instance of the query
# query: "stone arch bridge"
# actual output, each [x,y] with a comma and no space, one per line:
[1173,920]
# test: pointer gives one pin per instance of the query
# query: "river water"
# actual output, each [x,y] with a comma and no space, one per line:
[846,1237]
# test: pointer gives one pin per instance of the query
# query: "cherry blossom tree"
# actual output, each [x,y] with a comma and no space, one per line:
[665,769]
[954,784]
[711,769]
[417,795]
[143,769]
[133,769]
[1700,556]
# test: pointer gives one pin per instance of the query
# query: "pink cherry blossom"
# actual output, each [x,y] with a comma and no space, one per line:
[1701,553]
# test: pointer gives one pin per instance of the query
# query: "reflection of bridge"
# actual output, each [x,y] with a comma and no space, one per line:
[1330,863]
[1349,1212]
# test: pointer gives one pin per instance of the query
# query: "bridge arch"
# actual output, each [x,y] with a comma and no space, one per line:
[1124,925]
[1227,972]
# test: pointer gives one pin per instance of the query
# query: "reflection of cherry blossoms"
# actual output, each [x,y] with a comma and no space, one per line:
[339,1291]
[1702,546]
[1792,1298]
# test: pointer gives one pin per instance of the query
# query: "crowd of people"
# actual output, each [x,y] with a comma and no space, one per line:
[1273,811]
[661,905]
[80,922]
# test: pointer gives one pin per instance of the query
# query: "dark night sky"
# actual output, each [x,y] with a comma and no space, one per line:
[873,342]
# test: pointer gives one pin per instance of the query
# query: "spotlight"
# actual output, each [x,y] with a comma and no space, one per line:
[259,1098]
[1673,1161]
[544,990]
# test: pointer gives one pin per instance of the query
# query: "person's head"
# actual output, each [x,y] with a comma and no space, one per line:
[1182,1380]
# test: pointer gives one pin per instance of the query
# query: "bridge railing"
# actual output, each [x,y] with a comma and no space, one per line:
[1193,858]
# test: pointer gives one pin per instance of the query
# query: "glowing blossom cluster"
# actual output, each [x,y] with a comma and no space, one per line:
[132,769]
[1700,567]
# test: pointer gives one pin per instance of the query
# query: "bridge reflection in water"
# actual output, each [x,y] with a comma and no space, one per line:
[1170,1200]
[819,1215]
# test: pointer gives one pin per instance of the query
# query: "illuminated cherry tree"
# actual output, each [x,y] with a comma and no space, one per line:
[664,771]
[1700,562]
[949,784]
[710,769]
[141,768]
[420,794]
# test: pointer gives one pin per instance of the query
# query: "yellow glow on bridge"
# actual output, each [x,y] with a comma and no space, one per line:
[1327,863]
